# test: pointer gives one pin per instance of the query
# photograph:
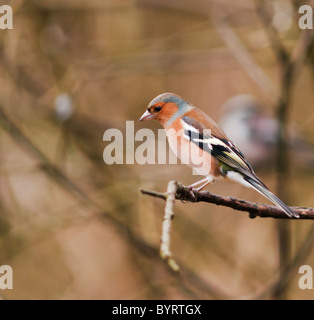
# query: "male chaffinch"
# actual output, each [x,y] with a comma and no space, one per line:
[199,142]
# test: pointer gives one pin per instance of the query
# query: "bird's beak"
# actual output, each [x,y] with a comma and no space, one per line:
[146,116]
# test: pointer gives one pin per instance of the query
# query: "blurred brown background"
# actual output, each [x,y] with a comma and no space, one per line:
[73,227]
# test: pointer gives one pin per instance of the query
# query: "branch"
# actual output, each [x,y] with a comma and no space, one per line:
[254,209]
[165,252]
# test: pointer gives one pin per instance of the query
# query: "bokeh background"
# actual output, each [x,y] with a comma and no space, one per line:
[73,227]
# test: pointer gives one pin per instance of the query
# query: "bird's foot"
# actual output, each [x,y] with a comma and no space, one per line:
[193,193]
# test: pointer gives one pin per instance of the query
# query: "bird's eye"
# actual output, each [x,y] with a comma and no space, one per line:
[157,109]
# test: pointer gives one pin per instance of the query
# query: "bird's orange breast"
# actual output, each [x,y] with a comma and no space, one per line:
[189,153]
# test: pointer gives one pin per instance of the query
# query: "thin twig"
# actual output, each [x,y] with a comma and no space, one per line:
[165,252]
[254,209]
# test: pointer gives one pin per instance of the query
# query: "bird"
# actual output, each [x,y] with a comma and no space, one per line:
[198,141]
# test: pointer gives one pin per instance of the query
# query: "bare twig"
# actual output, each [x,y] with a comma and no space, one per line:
[178,191]
[254,209]
[165,252]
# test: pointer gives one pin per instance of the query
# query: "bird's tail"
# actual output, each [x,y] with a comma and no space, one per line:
[270,196]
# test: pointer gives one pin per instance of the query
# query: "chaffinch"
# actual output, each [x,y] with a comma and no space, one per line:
[198,141]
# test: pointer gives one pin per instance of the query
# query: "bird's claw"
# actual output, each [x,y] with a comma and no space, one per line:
[193,193]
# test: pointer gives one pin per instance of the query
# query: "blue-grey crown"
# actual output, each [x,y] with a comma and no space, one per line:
[169,97]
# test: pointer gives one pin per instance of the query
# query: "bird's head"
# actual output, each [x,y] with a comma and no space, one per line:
[165,108]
